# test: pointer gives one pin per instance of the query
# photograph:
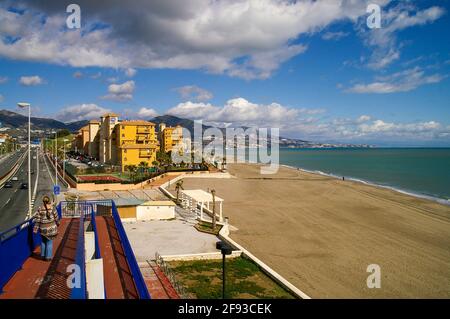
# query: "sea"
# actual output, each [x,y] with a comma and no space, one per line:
[422,172]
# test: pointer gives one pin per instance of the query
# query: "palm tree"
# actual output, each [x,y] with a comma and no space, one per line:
[178,186]
[224,162]
[213,193]
[143,166]
[131,169]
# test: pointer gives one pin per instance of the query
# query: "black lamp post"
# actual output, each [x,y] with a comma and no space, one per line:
[225,249]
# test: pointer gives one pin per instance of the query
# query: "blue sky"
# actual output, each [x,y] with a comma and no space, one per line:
[314,70]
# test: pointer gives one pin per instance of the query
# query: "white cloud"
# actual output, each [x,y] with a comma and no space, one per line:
[384,42]
[403,81]
[120,92]
[248,39]
[334,35]
[81,112]
[31,80]
[130,72]
[3,79]
[311,123]
[241,112]
[146,113]
[194,92]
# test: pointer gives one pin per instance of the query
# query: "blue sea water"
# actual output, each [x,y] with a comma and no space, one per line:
[420,171]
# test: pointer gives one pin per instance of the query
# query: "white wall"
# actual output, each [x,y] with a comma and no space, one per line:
[155,212]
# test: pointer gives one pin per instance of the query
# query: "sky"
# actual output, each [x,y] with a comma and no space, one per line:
[314,69]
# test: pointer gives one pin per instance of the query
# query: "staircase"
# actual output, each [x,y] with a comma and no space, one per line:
[186,215]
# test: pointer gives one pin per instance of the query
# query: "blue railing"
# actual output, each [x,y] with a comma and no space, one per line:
[129,255]
[16,245]
[94,228]
[79,289]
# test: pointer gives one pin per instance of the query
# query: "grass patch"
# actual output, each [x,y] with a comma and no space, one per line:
[207,228]
[203,279]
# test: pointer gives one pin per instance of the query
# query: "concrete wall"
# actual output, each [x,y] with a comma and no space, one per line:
[146,212]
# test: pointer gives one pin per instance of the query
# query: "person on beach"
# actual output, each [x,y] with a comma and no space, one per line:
[46,223]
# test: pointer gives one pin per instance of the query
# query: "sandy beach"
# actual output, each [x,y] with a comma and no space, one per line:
[321,233]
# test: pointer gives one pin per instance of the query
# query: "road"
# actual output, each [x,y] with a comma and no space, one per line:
[14,201]
[8,161]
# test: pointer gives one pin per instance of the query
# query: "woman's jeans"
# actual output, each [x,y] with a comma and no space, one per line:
[46,247]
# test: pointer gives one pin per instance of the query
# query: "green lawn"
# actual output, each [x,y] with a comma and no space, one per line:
[203,279]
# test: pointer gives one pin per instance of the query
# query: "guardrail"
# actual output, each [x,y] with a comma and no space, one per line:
[13,170]
[94,228]
[16,245]
[107,207]
[79,291]
[170,275]
[141,287]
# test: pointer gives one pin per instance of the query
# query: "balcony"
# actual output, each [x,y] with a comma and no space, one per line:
[145,153]
[142,130]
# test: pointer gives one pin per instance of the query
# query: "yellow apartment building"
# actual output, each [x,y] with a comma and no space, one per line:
[94,137]
[107,139]
[81,141]
[136,142]
[169,137]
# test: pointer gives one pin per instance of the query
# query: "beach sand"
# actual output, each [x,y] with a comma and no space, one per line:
[321,233]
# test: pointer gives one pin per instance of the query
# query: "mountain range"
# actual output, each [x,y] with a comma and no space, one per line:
[14,121]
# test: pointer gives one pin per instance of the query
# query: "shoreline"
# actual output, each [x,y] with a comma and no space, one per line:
[439,200]
[321,233]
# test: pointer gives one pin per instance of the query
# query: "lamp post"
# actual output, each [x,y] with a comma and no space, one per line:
[56,157]
[28,105]
[64,161]
[225,249]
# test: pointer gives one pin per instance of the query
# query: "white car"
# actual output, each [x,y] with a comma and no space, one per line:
[14,178]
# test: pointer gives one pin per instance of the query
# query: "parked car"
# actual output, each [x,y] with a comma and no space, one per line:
[8,185]
[24,186]
[14,179]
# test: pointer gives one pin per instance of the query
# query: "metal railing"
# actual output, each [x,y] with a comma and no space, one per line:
[94,228]
[79,290]
[181,291]
[141,287]
[16,245]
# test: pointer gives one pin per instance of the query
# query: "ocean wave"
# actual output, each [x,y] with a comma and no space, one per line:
[393,188]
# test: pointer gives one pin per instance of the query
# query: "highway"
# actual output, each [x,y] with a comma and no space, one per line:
[14,201]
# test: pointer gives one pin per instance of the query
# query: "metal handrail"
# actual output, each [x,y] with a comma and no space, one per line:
[141,287]
[94,228]
[80,292]
[17,228]
[181,291]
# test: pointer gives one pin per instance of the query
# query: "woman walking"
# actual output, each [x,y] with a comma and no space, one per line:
[46,223]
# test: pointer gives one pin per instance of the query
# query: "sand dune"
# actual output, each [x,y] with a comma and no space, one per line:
[321,233]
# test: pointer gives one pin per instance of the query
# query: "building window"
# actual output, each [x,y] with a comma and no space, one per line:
[125,159]
[123,135]
[124,151]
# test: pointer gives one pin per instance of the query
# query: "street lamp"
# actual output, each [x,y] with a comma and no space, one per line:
[64,162]
[56,157]
[28,105]
[225,249]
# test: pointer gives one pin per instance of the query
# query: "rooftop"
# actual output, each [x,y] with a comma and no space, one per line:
[137,122]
